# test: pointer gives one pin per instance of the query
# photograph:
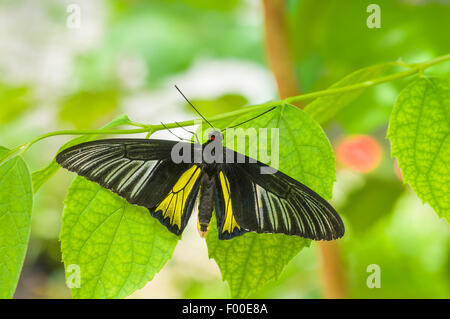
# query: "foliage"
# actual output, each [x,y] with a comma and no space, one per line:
[342,70]
[15,221]
[419,131]
[119,247]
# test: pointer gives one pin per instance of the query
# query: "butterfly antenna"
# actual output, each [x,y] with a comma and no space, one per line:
[193,133]
[180,138]
[193,106]
[251,118]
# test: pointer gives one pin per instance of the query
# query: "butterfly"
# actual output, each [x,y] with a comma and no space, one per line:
[149,173]
[143,172]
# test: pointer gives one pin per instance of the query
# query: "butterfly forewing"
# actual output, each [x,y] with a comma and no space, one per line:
[141,171]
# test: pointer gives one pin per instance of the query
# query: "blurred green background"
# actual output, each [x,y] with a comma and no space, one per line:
[126,56]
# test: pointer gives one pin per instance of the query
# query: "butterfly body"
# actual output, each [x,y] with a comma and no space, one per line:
[170,178]
[206,200]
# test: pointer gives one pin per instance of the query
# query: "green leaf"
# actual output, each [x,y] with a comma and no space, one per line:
[250,261]
[9,154]
[419,132]
[325,108]
[16,200]
[41,176]
[118,247]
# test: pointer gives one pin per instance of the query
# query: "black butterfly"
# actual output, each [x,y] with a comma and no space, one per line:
[168,177]
[144,173]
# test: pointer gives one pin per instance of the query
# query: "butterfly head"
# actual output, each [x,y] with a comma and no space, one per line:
[215,136]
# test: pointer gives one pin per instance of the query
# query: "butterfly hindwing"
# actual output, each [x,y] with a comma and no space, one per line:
[276,203]
[142,172]
[176,208]
[226,221]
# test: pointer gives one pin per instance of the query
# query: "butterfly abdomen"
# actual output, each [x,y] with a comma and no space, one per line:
[206,204]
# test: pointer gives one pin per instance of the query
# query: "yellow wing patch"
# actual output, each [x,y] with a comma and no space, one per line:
[173,204]
[230,223]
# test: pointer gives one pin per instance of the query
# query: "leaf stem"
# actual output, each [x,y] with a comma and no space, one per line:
[144,128]
[414,68]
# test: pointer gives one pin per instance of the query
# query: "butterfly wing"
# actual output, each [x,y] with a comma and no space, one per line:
[276,203]
[226,220]
[176,207]
[142,172]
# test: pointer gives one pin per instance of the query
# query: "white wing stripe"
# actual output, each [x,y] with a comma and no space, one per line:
[88,165]
[110,177]
[148,167]
[130,177]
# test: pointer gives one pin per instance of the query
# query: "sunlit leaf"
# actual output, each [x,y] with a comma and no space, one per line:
[419,132]
[117,246]
[16,198]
